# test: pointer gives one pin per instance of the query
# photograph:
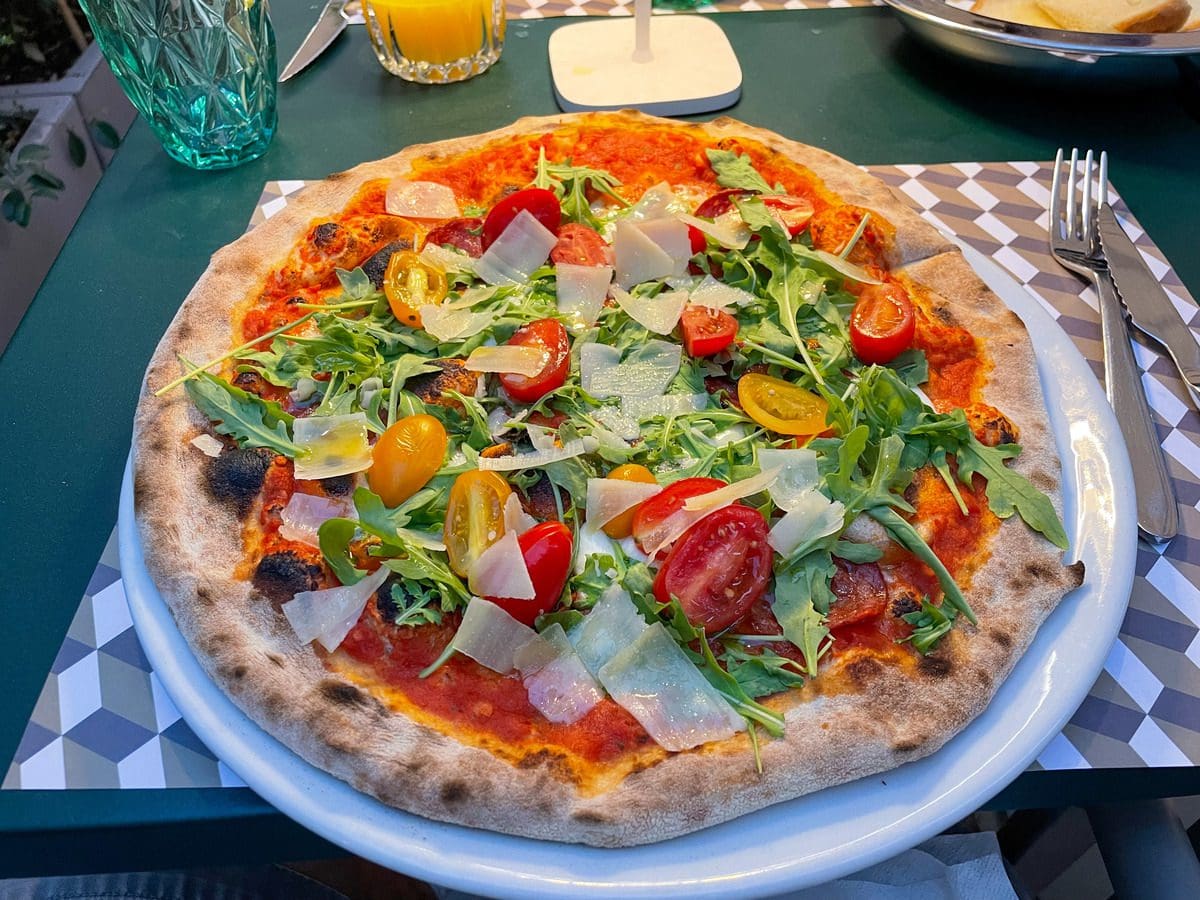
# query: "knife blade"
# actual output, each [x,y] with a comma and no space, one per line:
[329,25]
[1149,307]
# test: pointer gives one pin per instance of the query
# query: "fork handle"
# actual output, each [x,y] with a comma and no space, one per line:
[1157,513]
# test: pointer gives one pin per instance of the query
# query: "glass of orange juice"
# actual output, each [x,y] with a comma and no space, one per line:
[436,41]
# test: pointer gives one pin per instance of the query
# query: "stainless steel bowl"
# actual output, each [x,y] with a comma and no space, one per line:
[1029,48]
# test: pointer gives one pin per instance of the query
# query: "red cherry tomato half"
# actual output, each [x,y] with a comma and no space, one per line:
[652,512]
[697,239]
[550,336]
[793,213]
[882,323]
[546,549]
[579,245]
[541,204]
[705,330]
[861,593]
[461,233]
[718,567]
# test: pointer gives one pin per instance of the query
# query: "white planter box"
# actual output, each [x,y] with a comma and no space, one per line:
[88,93]
[96,91]
[26,254]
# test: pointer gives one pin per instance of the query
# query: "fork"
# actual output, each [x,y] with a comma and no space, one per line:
[1075,243]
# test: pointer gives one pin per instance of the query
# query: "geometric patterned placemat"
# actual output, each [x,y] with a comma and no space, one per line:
[104,720]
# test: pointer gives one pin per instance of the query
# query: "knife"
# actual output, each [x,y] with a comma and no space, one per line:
[330,23]
[1149,307]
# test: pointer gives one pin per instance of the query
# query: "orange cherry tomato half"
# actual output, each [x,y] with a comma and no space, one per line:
[781,406]
[540,203]
[622,525]
[651,513]
[546,549]
[882,323]
[405,457]
[706,331]
[718,567]
[474,517]
[409,284]
[550,336]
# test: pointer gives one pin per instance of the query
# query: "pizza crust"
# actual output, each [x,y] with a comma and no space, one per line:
[192,543]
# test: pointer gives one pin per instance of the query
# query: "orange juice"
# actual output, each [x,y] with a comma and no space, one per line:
[436,40]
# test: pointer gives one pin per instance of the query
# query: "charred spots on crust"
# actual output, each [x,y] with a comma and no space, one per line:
[340,693]
[432,387]
[985,680]
[204,596]
[455,792]
[251,382]
[325,235]
[1003,638]
[904,604]
[234,673]
[991,426]
[236,476]
[864,671]
[376,265]
[944,315]
[935,667]
[338,485]
[909,745]
[276,659]
[388,608]
[185,330]
[282,575]
[585,817]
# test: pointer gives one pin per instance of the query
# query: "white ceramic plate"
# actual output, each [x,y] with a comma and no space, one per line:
[791,845]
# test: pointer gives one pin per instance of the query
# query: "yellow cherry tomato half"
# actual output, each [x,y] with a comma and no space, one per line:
[622,525]
[780,406]
[406,457]
[474,517]
[409,284]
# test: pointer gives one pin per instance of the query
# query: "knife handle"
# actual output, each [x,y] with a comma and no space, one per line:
[1157,513]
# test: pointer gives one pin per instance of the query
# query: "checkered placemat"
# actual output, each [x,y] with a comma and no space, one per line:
[103,719]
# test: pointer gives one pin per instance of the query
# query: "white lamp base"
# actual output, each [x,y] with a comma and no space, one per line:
[691,67]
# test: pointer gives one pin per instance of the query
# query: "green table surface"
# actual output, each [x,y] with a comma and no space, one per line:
[851,81]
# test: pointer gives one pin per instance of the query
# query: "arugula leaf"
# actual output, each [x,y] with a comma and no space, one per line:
[931,622]
[1009,491]
[567,618]
[248,419]
[760,674]
[356,285]
[737,171]
[903,533]
[790,285]
[571,185]
[795,608]
[746,706]
[413,605]
[334,537]
[911,366]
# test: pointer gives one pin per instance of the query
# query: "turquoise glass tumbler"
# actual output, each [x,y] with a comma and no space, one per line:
[201,73]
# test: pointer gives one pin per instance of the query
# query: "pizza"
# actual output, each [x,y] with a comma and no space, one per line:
[531,480]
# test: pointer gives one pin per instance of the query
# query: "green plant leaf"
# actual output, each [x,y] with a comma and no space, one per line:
[33,153]
[15,208]
[105,135]
[46,181]
[76,149]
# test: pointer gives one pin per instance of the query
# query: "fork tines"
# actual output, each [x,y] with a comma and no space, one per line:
[1079,221]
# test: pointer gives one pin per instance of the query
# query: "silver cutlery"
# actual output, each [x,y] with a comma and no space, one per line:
[1149,307]
[1075,243]
[333,19]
